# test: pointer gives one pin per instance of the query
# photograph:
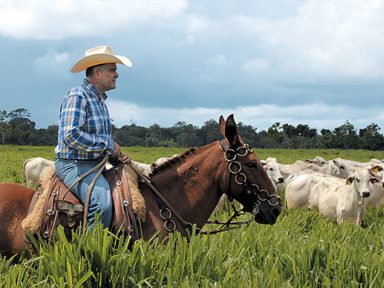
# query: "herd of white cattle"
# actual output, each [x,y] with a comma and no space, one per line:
[340,189]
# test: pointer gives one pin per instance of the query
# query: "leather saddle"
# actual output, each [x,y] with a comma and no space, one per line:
[63,208]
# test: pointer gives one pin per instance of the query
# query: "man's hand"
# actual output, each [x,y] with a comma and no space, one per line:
[118,156]
[124,158]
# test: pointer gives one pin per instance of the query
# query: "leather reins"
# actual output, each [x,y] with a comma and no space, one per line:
[167,211]
[99,168]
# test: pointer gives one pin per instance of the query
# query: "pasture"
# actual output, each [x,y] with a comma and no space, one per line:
[302,249]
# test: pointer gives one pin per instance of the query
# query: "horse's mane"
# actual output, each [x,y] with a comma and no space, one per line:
[173,161]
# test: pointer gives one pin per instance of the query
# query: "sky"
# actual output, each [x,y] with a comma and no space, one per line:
[314,62]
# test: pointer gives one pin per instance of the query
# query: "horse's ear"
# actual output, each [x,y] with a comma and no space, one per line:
[222,125]
[231,131]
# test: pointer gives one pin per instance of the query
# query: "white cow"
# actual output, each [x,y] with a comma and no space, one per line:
[377,189]
[351,164]
[34,168]
[288,169]
[342,200]
[298,188]
[329,169]
[318,160]
[299,165]
[273,171]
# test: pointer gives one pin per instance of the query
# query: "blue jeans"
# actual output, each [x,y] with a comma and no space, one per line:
[101,199]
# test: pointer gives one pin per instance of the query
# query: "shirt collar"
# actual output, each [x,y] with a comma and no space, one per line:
[90,86]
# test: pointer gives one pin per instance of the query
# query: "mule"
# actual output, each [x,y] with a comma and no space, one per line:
[190,185]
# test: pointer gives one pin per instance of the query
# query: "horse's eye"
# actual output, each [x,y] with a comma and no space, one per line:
[251,164]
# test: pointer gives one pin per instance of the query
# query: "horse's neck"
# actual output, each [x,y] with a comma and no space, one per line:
[192,187]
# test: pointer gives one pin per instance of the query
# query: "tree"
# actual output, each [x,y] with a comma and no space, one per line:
[4,127]
[346,136]
[209,132]
[275,135]
[289,130]
[371,138]
[21,127]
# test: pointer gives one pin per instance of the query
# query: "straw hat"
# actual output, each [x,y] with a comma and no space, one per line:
[99,55]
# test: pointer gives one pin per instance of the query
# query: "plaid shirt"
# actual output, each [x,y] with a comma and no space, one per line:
[84,126]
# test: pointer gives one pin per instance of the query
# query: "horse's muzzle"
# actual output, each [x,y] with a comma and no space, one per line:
[268,214]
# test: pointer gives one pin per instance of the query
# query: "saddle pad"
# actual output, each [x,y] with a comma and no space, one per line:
[62,207]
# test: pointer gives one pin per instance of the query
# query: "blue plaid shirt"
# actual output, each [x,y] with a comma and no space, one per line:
[85,130]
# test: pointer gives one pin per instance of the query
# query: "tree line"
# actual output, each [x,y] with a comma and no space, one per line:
[16,127]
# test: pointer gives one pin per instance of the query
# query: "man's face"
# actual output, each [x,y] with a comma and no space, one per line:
[105,76]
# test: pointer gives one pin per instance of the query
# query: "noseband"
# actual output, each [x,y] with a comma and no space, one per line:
[235,168]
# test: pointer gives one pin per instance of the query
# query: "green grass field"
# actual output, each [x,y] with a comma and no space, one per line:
[301,250]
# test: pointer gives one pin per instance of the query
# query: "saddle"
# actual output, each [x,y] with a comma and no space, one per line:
[61,207]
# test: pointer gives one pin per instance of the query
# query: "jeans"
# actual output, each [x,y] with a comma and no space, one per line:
[101,199]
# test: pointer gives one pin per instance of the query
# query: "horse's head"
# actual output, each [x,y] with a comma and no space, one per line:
[247,181]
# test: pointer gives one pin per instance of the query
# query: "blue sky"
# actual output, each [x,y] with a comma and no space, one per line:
[315,62]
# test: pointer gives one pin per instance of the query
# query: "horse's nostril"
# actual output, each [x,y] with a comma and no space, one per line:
[276,211]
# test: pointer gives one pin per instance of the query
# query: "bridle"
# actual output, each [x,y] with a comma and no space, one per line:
[235,169]
[231,155]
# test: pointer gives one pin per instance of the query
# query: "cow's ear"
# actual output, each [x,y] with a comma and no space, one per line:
[350,180]
[374,180]
[375,169]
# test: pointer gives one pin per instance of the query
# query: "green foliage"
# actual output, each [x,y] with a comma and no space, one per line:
[301,250]
[17,128]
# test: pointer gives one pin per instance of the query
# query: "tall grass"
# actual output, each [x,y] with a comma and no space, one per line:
[301,250]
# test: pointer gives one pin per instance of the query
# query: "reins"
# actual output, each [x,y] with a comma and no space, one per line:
[99,167]
[166,212]
[229,224]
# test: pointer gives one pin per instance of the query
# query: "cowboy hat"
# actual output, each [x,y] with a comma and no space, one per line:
[99,55]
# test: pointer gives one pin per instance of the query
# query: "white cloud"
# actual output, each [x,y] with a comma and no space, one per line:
[324,39]
[57,19]
[219,60]
[256,65]
[195,26]
[52,63]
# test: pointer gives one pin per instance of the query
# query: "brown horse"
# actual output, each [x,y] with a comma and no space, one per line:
[190,187]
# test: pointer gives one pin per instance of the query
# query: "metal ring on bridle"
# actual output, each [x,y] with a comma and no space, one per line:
[273,203]
[165,213]
[170,225]
[242,151]
[233,171]
[259,195]
[230,155]
[238,181]
[255,188]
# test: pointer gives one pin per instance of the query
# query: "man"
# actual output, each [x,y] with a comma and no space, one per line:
[85,133]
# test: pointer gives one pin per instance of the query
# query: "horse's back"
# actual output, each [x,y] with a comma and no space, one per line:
[14,204]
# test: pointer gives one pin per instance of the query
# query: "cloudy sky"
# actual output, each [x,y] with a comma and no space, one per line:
[315,62]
